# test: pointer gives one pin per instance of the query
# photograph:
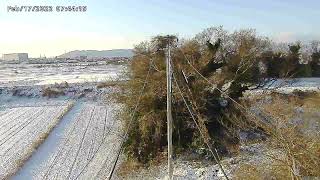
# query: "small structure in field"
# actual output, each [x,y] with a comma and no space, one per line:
[82,58]
[15,57]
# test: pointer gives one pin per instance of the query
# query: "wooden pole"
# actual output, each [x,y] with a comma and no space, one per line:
[169,114]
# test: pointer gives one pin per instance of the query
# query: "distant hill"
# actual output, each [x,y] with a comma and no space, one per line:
[98,54]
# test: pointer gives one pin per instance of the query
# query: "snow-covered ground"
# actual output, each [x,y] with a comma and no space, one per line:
[190,166]
[82,145]
[289,85]
[87,148]
[43,74]
[46,138]
[22,130]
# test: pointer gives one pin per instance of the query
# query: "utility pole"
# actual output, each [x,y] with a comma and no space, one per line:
[169,114]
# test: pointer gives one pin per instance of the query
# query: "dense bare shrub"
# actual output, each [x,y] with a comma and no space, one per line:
[232,62]
[235,54]
[52,92]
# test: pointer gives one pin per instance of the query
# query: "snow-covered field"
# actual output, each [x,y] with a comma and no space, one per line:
[43,74]
[290,85]
[73,136]
[87,147]
[22,129]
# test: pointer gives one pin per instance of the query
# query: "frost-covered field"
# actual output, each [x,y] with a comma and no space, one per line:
[43,74]
[22,129]
[88,146]
[288,86]
[73,136]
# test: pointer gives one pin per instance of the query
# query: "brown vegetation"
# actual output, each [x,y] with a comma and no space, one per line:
[230,64]
[52,92]
[292,135]
[109,84]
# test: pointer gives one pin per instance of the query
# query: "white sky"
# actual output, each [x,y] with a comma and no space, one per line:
[115,24]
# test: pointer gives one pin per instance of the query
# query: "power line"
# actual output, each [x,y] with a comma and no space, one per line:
[215,87]
[132,117]
[241,107]
[215,156]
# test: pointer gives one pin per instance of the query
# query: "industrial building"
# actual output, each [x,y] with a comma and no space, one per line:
[15,57]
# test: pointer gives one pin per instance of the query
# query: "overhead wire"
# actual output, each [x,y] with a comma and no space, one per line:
[215,156]
[214,153]
[215,87]
[130,121]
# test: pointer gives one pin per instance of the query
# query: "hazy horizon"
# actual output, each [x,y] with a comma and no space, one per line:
[67,52]
[120,25]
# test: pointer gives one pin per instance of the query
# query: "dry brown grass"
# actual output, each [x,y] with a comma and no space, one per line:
[128,166]
[312,102]
[109,84]
[52,92]
[265,172]
[132,165]
[301,153]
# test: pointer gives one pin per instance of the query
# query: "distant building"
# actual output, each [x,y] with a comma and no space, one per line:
[15,57]
[83,58]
